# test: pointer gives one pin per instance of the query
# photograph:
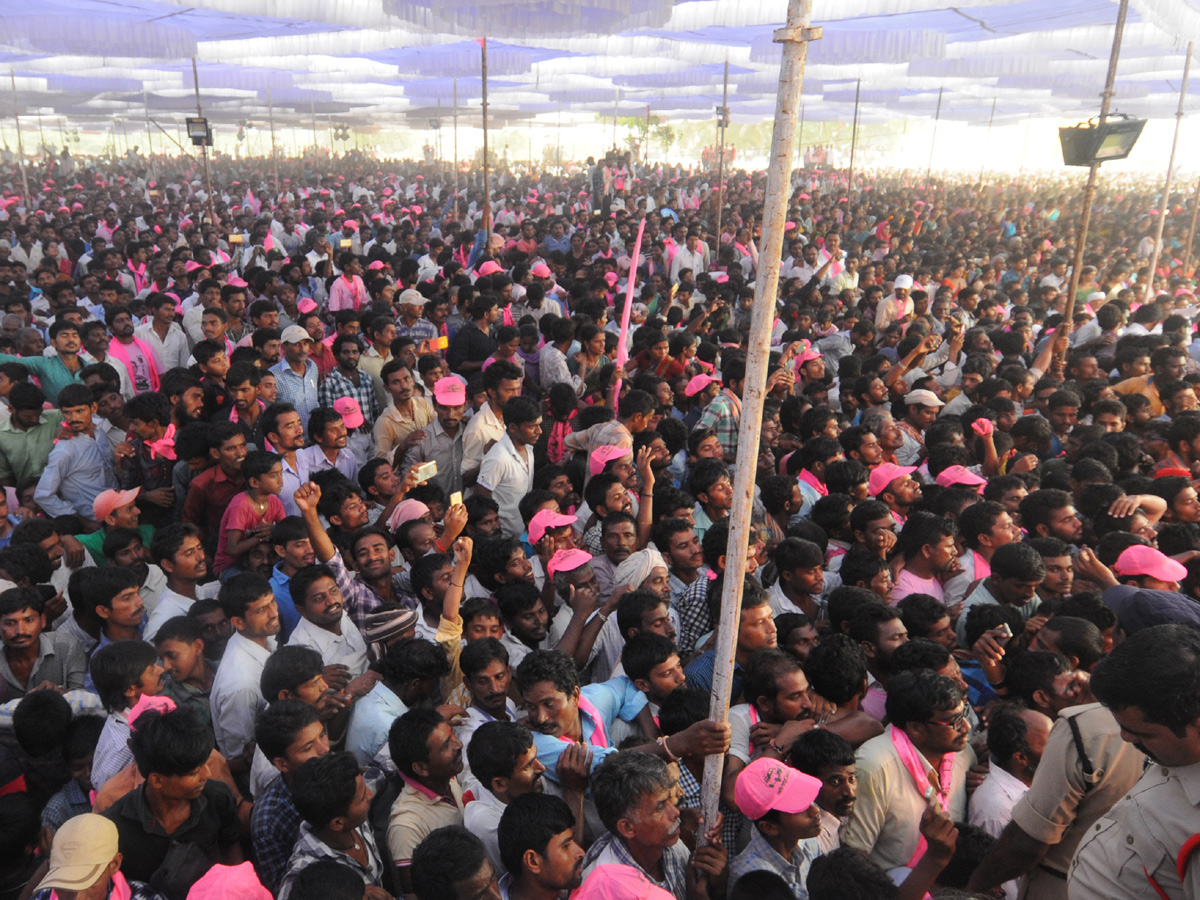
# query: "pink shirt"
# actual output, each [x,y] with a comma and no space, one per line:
[908,583]
[241,515]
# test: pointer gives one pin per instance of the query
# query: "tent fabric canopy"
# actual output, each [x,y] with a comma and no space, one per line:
[381,62]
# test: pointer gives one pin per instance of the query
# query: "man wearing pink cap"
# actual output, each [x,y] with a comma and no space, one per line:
[442,442]
[895,486]
[1149,569]
[330,433]
[781,802]
[347,382]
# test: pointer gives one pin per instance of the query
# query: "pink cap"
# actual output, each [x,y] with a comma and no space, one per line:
[229,883]
[449,392]
[960,475]
[884,474]
[306,304]
[547,520]
[1140,560]
[235,281]
[541,270]
[768,784]
[406,511]
[610,278]
[720,278]
[602,456]
[191,266]
[350,411]
[375,266]
[351,224]
[107,501]
[490,267]
[807,353]
[567,561]
[697,384]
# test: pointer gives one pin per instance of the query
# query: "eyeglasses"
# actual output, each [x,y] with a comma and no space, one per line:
[953,722]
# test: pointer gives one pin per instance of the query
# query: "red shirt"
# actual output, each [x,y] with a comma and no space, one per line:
[207,498]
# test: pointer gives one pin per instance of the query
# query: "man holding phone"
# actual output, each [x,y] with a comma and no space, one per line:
[442,442]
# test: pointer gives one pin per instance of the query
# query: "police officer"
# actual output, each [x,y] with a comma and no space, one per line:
[1145,847]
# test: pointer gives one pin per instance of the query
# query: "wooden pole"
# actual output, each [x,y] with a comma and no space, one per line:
[1187,250]
[1166,197]
[794,37]
[456,147]
[149,140]
[721,117]
[212,216]
[20,146]
[1089,192]
[800,141]
[487,194]
[854,138]
[991,121]
[933,143]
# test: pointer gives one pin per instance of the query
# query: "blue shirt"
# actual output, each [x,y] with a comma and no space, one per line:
[78,471]
[298,390]
[289,618]
[370,722]
[274,827]
[699,674]
[613,699]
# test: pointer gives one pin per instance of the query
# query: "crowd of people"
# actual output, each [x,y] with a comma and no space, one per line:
[351,549]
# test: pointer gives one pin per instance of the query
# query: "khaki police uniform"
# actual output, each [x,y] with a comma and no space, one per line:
[1064,801]
[1141,838]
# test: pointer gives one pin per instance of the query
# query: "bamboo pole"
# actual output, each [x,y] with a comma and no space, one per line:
[1089,193]
[1166,197]
[274,152]
[212,216]
[933,143]
[487,194]
[721,152]
[854,138]
[795,37]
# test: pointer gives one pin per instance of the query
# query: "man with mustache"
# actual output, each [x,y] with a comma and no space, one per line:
[539,848]
[34,658]
[324,624]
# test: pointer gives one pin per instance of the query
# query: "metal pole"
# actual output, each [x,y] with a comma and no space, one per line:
[1187,250]
[933,143]
[721,153]
[991,120]
[274,152]
[456,147]
[20,146]
[149,141]
[212,216]
[854,138]
[1089,193]
[794,36]
[487,194]
[1166,197]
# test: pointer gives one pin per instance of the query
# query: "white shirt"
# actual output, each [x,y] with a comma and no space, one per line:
[171,353]
[236,697]
[686,259]
[171,604]
[508,474]
[347,649]
[481,817]
[991,809]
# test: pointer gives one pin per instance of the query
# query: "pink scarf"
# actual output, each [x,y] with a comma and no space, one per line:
[916,766]
[599,737]
[164,447]
[811,480]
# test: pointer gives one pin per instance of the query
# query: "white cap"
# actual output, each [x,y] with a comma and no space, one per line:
[904,282]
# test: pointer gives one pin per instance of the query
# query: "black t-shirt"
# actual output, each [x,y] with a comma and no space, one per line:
[212,826]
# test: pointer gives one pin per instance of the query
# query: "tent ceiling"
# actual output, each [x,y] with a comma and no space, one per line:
[375,62]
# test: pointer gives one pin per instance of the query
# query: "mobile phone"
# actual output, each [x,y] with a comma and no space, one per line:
[1005,633]
[346,243]
[442,343]
[456,498]
[235,239]
[425,471]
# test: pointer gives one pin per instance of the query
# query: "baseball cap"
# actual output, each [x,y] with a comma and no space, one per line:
[238,882]
[807,353]
[490,267]
[82,849]
[449,392]
[768,784]
[697,384]
[546,520]
[602,456]
[294,334]
[567,561]
[107,501]
[922,398]
[959,475]
[411,297]
[350,411]
[541,270]
[306,304]
[904,282]
[1139,608]
[1141,560]
[884,474]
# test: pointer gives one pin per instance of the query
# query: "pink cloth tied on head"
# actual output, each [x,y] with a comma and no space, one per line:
[406,511]
[158,703]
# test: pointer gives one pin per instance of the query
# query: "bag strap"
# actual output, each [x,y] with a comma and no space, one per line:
[1088,771]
